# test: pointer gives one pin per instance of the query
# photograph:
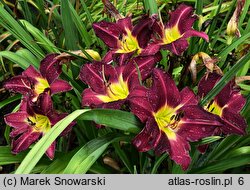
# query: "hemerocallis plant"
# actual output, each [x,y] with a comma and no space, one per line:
[32,83]
[171,118]
[32,121]
[110,86]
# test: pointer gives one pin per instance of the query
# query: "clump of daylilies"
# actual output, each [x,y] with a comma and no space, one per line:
[172,117]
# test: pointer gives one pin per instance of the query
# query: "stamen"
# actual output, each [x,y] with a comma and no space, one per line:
[25,84]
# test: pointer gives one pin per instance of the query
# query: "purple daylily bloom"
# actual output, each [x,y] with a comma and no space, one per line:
[123,38]
[172,118]
[109,86]
[33,121]
[173,35]
[34,83]
[226,105]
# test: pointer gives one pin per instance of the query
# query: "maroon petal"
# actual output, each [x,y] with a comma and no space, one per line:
[50,152]
[50,67]
[197,123]
[31,72]
[177,47]
[44,104]
[140,104]
[234,122]
[96,74]
[125,24]
[188,97]
[20,84]
[236,102]
[145,64]
[17,120]
[113,105]
[24,141]
[165,88]
[26,105]
[177,148]
[182,17]
[19,131]
[55,117]
[207,83]
[158,28]
[179,151]
[163,145]
[89,98]
[91,75]
[143,31]
[151,49]
[108,57]
[149,137]
[194,33]
[227,94]
[59,86]
[108,32]
[122,58]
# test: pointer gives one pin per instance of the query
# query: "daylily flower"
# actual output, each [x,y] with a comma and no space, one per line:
[172,118]
[110,86]
[33,121]
[226,105]
[173,35]
[34,83]
[123,38]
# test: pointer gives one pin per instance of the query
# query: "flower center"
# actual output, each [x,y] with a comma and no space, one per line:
[40,123]
[115,91]
[171,35]
[128,43]
[41,85]
[167,120]
[214,108]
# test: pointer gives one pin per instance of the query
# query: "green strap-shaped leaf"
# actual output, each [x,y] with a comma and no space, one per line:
[6,157]
[113,118]
[18,59]
[90,152]
[42,145]
[9,100]
[222,165]
[116,119]
[40,37]
[13,26]
[151,6]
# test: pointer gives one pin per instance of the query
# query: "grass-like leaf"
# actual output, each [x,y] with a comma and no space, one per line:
[9,100]
[15,28]
[6,157]
[151,6]
[113,118]
[222,165]
[18,59]
[40,147]
[89,153]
